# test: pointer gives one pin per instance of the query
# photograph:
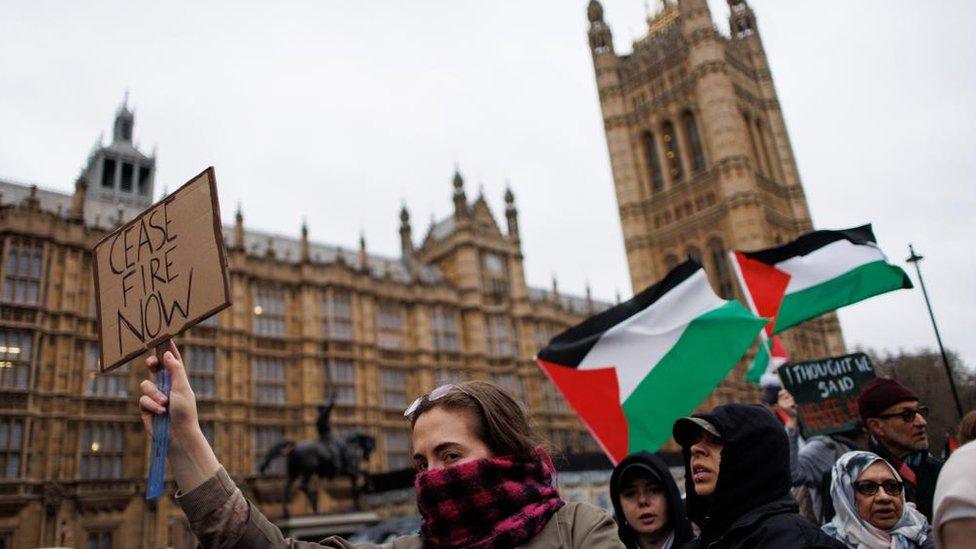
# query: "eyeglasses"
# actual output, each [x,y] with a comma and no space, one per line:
[437,393]
[869,487]
[909,415]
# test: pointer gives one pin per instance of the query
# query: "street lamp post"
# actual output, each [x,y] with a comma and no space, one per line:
[914,259]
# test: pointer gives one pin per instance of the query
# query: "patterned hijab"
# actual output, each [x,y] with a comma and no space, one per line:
[847,526]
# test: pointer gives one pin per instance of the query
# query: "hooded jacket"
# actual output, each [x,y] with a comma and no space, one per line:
[677,519]
[751,506]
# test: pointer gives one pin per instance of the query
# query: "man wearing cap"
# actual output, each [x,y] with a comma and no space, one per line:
[899,433]
[737,481]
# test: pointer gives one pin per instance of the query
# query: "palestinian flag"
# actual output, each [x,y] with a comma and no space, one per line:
[827,270]
[770,355]
[631,370]
[763,291]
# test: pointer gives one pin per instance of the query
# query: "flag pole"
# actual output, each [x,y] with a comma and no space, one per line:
[914,259]
[763,337]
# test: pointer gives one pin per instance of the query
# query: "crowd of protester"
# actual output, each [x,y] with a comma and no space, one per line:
[485,480]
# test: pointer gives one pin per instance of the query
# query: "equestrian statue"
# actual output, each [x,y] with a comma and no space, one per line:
[327,457]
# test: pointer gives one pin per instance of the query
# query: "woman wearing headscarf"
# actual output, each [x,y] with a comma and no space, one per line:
[647,503]
[869,499]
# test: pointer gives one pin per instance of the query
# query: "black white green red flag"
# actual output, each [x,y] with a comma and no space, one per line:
[633,369]
[817,273]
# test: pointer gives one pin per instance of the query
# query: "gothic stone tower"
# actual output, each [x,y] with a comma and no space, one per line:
[700,154]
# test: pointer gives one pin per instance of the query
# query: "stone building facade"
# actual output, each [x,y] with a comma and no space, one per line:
[308,320]
[701,158]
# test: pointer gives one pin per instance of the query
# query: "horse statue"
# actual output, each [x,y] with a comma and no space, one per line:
[327,457]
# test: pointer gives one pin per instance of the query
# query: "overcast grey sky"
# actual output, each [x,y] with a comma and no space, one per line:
[340,110]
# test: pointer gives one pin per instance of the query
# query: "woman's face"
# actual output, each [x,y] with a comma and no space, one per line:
[644,503]
[706,458]
[442,438]
[882,510]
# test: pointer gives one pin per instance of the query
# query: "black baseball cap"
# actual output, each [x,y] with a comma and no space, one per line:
[687,429]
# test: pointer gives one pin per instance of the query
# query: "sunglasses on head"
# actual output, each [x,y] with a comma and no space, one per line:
[437,393]
[908,416]
[869,488]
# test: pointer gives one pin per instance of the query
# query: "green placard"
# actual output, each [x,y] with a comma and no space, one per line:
[826,391]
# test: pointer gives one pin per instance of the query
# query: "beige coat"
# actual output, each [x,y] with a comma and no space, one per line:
[221,517]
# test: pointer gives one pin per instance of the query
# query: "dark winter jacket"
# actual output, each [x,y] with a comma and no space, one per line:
[926,468]
[752,506]
[676,507]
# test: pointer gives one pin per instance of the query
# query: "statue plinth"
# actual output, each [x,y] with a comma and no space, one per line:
[316,527]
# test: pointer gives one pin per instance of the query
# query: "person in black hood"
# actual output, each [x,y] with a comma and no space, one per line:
[647,504]
[737,481]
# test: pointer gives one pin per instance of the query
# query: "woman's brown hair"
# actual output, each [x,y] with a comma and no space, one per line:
[967,428]
[501,422]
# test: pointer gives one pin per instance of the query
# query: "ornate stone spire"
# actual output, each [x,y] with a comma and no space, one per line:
[124,120]
[601,40]
[239,228]
[406,236]
[78,199]
[362,259]
[511,214]
[305,258]
[460,199]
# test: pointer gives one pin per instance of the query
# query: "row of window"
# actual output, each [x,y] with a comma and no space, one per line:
[103,444]
[22,275]
[15,358]
[122,175]
[22,284]
[662,151]
[683,210]
[269,373]
[337,319]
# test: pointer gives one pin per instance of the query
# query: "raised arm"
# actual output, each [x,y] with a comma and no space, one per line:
[191,459]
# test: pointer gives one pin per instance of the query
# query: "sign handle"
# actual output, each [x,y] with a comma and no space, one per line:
[160,425]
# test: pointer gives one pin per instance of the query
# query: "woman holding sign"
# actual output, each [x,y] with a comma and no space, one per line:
[483,480]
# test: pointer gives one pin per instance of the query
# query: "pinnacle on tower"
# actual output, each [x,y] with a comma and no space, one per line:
[460,199]
[78,198]
[601,40]
[239,228]
[742,20]
[594,11]
[511,214]
[124,120]
[305,255]
[406,236]
[362,251]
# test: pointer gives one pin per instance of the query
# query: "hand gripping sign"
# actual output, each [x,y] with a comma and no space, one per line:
[156,276]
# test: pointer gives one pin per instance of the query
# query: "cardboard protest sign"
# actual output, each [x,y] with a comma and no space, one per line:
[161,273]
[826,391]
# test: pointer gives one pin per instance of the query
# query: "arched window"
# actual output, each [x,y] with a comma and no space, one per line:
[695,254]
[694,141]
[756,162]
[764,149]
[672,151]
[653,164]
[720,266]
